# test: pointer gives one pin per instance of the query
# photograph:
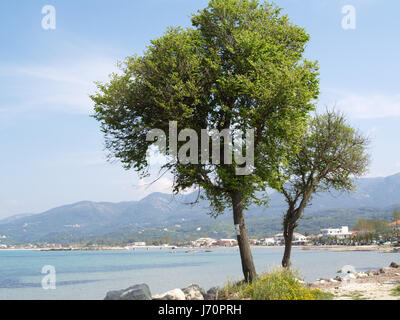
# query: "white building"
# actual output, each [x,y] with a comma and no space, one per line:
[340,233]
[203,242]
[297,238]
[135,244]
[226,242]
[268,241]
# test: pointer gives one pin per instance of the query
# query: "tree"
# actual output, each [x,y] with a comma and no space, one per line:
[396,219]
[374,229]
[239,68]
[396,215]
[331,153]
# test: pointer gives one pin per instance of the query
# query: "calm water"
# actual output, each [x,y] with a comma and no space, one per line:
[90,274]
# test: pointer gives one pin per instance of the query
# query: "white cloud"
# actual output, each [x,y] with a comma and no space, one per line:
[65,85]
[147,186]
[75,159]
[370,106]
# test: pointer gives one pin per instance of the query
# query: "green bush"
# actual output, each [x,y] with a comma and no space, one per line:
[280,284]
[396,291]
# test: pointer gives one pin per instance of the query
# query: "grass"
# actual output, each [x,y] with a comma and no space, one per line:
[396,291]
[280,284]
[355,295]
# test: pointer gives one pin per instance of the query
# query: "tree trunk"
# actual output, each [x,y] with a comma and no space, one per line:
[288,230]
[249,271]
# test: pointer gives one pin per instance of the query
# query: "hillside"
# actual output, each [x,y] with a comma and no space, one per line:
[147,218]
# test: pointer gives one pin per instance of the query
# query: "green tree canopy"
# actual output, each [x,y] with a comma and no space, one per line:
[239,67]
[331,154]
[372,226]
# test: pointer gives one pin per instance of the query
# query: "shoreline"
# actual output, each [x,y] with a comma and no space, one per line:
[335,248]
[382,284]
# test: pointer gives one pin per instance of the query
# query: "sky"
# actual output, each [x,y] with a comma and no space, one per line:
[52,151]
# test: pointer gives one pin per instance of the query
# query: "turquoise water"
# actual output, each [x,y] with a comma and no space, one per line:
[90,274]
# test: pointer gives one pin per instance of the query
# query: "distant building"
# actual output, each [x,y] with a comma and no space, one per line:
[395,225]
[135,244]
[353,233]
[204,242]
[139,244]
[340,233]
[226,242]
[254,241]
[268,241]
[297,238]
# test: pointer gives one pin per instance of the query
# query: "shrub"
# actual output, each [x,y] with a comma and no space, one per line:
[280,284]
[396,291]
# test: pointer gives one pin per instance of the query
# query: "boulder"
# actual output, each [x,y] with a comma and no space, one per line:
[194,292]
[394,265]
[384,270]
[136,292]
[339,278]
[176,294]
[211,294]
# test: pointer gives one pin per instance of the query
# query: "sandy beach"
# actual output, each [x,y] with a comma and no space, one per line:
[370,285]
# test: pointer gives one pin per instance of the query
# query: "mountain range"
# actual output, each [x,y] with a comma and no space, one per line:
[164,215]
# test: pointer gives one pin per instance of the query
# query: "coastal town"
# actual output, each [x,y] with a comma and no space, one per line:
[328,237]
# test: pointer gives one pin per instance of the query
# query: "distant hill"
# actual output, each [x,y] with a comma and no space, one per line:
[147,218]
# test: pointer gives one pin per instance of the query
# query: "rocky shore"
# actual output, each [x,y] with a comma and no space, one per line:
[382,284]
[142,292]
[370,285]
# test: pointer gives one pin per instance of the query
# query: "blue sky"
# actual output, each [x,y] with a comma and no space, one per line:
[52,151]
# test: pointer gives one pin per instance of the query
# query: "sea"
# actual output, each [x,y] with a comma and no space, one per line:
[89,275]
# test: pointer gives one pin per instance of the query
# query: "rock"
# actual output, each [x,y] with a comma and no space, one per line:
[334,281]
[394,265]
[339,278]
[362,275]
[211,294]
[194,292]
[176,294]
[136,292]
[384,270]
